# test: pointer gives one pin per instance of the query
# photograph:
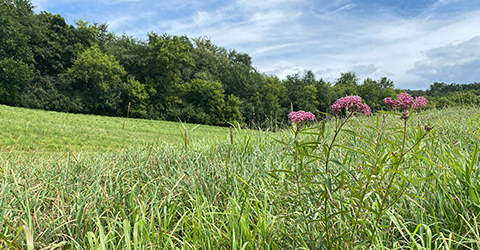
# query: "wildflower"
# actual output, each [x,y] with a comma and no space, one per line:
[301,117]
[336,108]
[352,103]
[420,101]
[364,109]
[391,104]
[405,102]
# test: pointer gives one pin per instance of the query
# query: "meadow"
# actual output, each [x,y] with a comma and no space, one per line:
[24,130]
[82,182]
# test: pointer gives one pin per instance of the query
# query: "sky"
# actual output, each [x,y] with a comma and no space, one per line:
[412,42]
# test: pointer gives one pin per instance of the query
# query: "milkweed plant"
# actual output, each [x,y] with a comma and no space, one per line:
[343,196]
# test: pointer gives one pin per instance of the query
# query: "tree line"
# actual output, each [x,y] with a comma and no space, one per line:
[48,64]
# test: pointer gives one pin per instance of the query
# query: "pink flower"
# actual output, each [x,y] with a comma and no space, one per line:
[301,117]
[405,102]
[352,103]
[364,109]
[391,103]
[336,108]
[420,101]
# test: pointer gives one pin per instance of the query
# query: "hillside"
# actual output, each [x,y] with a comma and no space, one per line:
[28,129]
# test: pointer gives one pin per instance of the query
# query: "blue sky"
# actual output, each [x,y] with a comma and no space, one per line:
[412,42]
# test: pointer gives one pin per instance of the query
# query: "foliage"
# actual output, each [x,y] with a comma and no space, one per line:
[231,112]
[53,44]
[211,61]
[15,56]
[137,96]
[14,74]
[131,54]
[96,71]
[207,100]
[54,93]
[240,79]
[270,99]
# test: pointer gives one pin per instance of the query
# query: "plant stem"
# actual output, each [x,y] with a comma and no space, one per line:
[327,161]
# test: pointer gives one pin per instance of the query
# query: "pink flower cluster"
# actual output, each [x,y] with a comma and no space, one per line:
[405,102]
[301,117]
[352,103]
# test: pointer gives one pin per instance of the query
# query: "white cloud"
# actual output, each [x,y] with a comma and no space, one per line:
[458,63]
[345,7]
[393,45]
[283,71]
[263,50]
[364,71]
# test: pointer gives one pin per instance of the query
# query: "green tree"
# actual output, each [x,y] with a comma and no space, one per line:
[324,95]
[268,100]
[207,99]
[302,91]
[99,78]
[211,61]
[348,78]
[231,112]
[14,75]
[53,45]
[52,93]
[385,83]
[310,97]
[131,53]
[13,39]
[88,35]
[15,54]
[346,85]
[136,94]
[240,78]
[370,91]
[166,57]
[96,71]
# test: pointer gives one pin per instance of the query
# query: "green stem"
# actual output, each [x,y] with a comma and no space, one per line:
[327,161]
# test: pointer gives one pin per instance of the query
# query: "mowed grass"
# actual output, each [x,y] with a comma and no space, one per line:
[222,196]
[38,130]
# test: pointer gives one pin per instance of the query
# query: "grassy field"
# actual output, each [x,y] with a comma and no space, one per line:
[27,130]
[258,193]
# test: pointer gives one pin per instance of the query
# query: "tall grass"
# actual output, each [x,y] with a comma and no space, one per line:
[222,196]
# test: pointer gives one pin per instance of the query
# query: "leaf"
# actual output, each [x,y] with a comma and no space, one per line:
[372,128]
[29,236]
[344,168]
[271,175]
[126,232]
[419,133]
[474,158]
[351,132]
